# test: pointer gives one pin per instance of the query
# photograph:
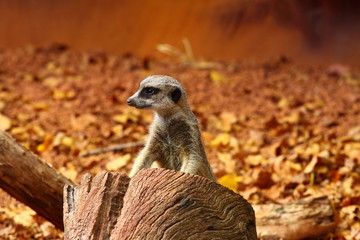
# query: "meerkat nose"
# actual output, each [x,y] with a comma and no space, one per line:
[130,102]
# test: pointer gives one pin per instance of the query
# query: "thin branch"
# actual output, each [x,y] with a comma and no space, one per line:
[113,148]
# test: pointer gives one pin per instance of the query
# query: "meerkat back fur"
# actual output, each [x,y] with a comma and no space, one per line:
[174,139]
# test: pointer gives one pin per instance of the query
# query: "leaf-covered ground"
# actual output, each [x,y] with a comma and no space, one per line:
[274,131]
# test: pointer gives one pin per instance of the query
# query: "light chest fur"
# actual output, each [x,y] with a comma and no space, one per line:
[173,141]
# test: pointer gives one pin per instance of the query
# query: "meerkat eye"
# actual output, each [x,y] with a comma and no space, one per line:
[150,91]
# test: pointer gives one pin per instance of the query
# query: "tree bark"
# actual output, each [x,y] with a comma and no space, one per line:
[31,180]
[91,209]
[158,204]
[306,218]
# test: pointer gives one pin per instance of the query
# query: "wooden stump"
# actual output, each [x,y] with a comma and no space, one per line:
[158,204]
[31,180]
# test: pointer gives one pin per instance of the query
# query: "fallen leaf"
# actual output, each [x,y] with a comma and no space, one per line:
[354,132]
[2,105]
[40,106]
[118,130]
[293,165]
[354,200]
[262,178]
[348,186]
[271,123]
[255,160]
[312,149]
[57,94]
[61,139]
[221,139]
[83,121]
[22,117]
[277,163]
[51,66]
[257,137]
[21,215]
[311,165]
[284,103]
[120,118]
[38,130]
[118,162]
[9,230]
[48,140]
[48,229]
[275,191]
[69,171]
[352,150]
[314,105]
[5,122]
[57,138]
[295,117]
[218,78]
[229,162]
[68,141]
[147,117]
[325,154]
[227,121]
[352,211]
[229,181]
[52,82]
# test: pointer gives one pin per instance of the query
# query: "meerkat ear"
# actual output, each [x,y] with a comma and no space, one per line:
[175,95]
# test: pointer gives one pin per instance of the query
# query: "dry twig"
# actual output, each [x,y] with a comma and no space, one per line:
[113,148]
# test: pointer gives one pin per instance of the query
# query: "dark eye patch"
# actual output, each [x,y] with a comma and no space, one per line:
[175,95]
[149,91]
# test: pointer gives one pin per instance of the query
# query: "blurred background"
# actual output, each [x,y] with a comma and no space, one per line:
[316,31]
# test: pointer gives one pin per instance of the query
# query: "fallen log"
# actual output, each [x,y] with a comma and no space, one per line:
[31,180]
[307,218]
[158,204]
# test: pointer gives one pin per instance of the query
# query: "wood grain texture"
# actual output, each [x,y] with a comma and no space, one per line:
[31,180]
[306,218]
[165,204]
[91,210]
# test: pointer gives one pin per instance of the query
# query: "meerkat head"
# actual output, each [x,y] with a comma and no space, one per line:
[158,92]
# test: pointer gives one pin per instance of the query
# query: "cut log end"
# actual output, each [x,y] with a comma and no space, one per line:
[158,204]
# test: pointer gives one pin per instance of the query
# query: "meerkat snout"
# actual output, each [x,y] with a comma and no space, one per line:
[130,102]
[174,140]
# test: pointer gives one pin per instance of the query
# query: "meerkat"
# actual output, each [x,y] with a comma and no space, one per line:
[174,139]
